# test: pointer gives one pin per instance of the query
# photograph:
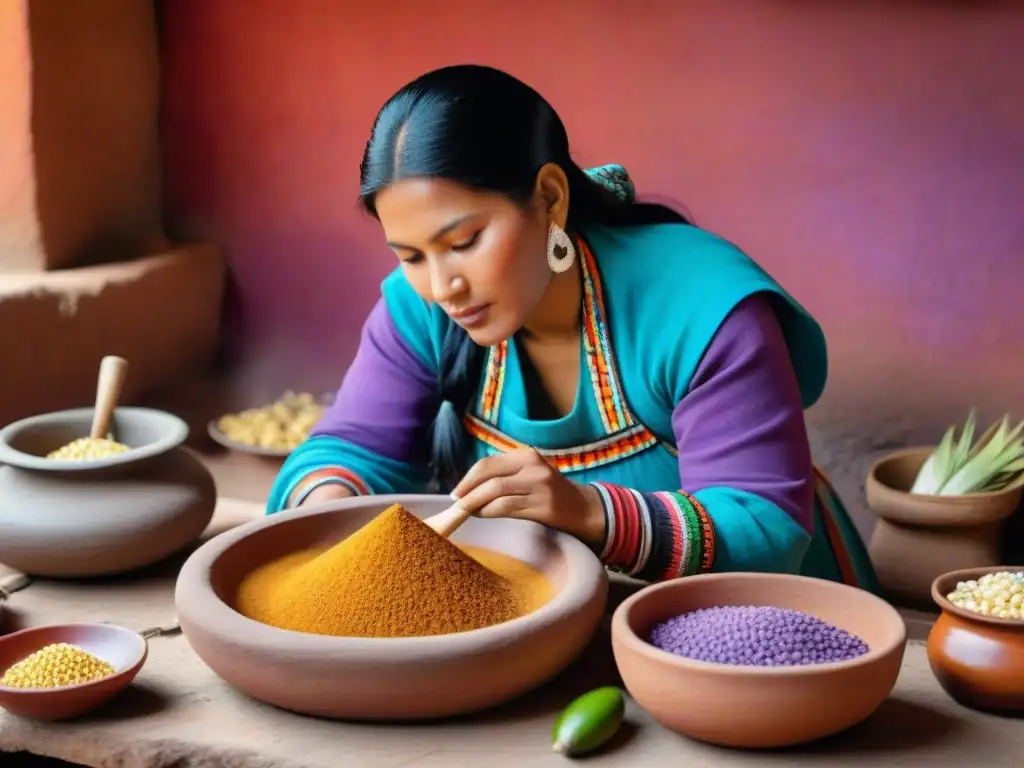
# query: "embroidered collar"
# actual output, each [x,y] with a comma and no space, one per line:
[624,434]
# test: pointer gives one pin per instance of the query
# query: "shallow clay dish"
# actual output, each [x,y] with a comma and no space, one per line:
[123,649]
[73,519]
[217,435]
[978,660]
[386,678]
[233,445]
[758,707]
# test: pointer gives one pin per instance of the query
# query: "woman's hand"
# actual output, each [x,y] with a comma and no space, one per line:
[522,484]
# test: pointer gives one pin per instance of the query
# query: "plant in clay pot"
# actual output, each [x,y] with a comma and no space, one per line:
[943,508]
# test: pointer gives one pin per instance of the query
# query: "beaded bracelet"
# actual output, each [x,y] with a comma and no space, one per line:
[626,529]
[609,522]
[707,533]
[643,555]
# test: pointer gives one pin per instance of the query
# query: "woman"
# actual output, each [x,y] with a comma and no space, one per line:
[553,350]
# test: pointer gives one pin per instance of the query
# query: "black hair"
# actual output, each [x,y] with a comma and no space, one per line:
[486,130]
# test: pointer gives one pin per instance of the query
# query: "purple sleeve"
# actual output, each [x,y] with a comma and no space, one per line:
[741,425]
[388,397]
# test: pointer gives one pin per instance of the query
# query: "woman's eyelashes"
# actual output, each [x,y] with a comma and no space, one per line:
[465,245]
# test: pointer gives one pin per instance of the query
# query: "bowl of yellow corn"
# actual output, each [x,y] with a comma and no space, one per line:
[273,430]
[74,507]
[61,671]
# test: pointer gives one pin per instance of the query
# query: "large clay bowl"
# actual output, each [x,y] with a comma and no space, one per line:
[758,707]
[69,519]
[123,649]
[386,678]
[979,661]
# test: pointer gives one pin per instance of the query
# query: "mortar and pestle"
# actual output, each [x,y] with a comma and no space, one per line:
[388,678]
[76,518]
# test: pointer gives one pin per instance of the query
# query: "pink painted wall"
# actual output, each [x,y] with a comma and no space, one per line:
[870,155]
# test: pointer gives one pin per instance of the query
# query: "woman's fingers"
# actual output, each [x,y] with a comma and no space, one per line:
[491,490]
[505,506]
[488,468]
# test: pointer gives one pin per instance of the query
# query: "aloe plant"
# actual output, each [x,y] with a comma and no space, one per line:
[993,463]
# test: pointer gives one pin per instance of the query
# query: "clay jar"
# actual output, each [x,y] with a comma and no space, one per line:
[69,519]
[919,537]
[978,660]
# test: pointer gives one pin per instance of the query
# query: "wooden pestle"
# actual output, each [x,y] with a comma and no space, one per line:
[447,522]
[108,390]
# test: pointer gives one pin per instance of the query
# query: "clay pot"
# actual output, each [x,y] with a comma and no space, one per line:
[758,707]
[978,660]
[919,537]
[404,678]
[90,518]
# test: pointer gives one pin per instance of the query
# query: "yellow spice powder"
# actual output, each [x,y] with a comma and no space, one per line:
[395,577]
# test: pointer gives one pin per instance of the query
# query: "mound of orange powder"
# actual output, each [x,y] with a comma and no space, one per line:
[394,577]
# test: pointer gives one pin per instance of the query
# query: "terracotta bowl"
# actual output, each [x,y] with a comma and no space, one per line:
[125,650]
[979,661]
[386,678]
[75,519]
[758,707]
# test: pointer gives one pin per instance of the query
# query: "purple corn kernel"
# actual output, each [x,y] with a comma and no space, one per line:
[760,636]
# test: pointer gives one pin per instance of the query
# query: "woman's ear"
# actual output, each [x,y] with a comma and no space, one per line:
[551,194]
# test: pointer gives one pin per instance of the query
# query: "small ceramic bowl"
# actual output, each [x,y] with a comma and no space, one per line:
[978,660]
[406,678]
[758,707]
[218,436]
[123,649]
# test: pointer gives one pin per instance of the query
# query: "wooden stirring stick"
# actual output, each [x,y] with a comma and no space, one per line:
[108,391]
[445,523]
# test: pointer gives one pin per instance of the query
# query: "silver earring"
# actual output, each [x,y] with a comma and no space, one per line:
[561,253]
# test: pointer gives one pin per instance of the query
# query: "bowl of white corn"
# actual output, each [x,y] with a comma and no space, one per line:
[273,430]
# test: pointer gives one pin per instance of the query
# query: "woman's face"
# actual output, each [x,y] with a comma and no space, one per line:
[480,256]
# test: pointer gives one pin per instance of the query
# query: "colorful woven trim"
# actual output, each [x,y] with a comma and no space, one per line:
[655,536]
[490,396]
[328,476]
[612,448]
[823,495]
[597,343]
[694,549]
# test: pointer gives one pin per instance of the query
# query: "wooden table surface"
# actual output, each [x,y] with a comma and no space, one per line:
[182,715]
